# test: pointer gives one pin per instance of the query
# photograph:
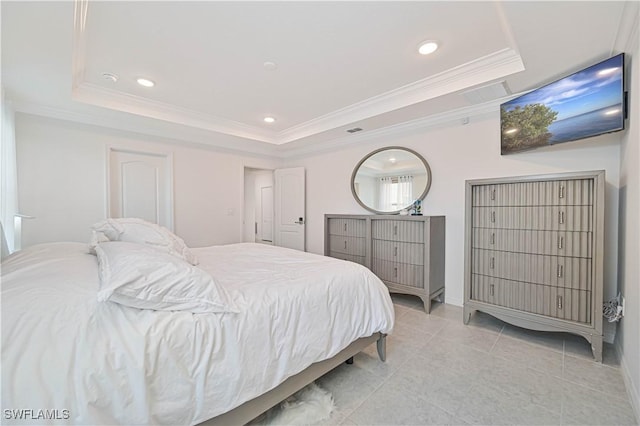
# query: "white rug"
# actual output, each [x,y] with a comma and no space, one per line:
[308,406]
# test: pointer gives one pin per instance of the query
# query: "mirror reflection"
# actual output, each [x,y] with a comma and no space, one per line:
[390,180]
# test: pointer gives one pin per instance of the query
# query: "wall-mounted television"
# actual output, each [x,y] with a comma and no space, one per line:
[584,104]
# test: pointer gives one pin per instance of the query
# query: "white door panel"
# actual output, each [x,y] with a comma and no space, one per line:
[140,185]
[290,208]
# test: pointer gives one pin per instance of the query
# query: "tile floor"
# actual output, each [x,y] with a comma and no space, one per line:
[439,371]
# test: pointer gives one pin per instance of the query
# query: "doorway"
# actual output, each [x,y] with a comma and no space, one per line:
[258,206]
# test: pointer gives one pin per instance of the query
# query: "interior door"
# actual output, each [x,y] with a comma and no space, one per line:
[290,208]
[140,185]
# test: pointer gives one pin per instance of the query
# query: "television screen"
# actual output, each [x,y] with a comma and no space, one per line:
[584,104]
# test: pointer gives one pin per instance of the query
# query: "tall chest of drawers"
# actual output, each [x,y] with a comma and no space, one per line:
[405,252]
[534,252]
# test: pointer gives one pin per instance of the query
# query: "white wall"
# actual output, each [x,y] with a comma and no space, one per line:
[62,176]
[456,153]
[628,338]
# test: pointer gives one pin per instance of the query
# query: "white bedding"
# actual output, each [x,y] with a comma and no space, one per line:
[110,364]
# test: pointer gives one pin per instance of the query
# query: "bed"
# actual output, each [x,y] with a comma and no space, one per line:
[70,356]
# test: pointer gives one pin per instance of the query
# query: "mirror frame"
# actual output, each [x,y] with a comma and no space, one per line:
[357,167]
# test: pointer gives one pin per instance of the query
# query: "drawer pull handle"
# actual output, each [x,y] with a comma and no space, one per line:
[395,229]
[493,217]
[491,289]
[345,244]
[493,194]
[345,227]
[560,242]
[395,272]
[561,217]
[493,238]
[560,271]
[395,251]
[559,301]
[493,263]
[561,191]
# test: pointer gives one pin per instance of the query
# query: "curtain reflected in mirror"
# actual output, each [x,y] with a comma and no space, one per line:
[390,180]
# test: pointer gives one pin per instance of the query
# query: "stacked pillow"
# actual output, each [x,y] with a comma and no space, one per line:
[142,232]
[146,266]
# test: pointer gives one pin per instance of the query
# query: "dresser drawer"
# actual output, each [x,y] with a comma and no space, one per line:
[347,245]
[570,272]
[398,230]
[555,243]
[349,257]
[348,227]
[557,302]
[396,251]
[575,192]
[551,218]
[400,273]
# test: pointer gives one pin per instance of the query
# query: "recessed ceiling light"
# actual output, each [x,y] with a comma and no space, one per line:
[427,47]
[269,120]
[392,160]
[145,82]
[109,76]
[270,66]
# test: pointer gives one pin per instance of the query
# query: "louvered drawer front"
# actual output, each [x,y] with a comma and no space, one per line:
[348,227]
[557,302]
[408,231]
[397,251]
[349,257]
[554,218]
[555,243]
[347,245]
[578,192]
[571,272]
[401,273]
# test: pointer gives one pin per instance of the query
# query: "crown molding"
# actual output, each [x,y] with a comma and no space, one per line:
[482,70]
[169,132]
[455,117]
[137,105]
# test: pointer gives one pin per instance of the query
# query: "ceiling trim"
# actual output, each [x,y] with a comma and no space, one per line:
[121,101]
[482,70]
[460,116]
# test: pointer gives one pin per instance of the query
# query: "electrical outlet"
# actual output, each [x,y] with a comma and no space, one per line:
[622,304]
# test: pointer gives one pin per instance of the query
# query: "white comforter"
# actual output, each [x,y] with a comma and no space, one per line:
[110,364]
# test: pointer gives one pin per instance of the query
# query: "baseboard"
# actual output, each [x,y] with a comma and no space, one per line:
[634,395]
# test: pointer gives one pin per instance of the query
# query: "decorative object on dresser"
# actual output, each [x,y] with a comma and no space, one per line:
[405,252]
[390,180]
[534,252]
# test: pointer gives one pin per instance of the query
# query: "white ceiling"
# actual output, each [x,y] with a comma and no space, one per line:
[339,64]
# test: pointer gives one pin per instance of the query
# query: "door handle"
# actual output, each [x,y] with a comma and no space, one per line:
[300,221]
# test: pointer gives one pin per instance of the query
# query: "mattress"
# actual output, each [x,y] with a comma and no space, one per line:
[67,358]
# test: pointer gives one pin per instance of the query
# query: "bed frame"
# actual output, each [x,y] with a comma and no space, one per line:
[248,411]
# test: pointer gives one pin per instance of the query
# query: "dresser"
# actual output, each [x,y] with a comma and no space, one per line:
[534,252]
[405,252]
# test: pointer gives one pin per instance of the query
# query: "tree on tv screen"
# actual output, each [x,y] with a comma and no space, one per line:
[526,127]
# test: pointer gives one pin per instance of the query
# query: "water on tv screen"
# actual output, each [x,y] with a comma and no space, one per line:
[584,104]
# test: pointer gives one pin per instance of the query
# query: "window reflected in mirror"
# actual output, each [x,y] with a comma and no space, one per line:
[390,180]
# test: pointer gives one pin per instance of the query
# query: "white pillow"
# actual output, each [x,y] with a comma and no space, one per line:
[144,277]
[142,232]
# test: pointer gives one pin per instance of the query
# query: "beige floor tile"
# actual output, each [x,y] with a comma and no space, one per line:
[393,404]
[551,340]
[595,375]
[529,355]
[443,310]
[478,338]
[584,406]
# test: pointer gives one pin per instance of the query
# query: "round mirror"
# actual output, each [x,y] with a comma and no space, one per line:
[390,180]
